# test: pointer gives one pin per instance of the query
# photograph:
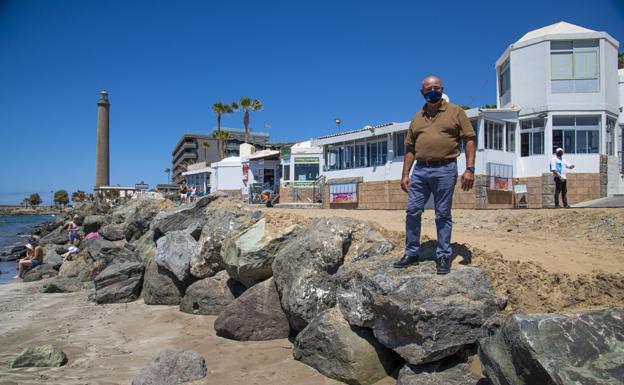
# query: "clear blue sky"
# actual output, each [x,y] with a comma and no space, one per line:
[165,63]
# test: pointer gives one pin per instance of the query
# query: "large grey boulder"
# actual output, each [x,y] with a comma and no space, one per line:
[94,256]
[81,266]
[172,367]
[53,259]
[220,223]
[92,223]
[138,214]
[183,218]
[305,268]
[210,296]
[145,247]
[61,285]
[254,316]
[58,236]
[422,316]
[454,370]
[39,272]
[173,252]
[113,232]
[342,352]
[40,356]
[119,282]
[555,349]
[161,287]
[248,255]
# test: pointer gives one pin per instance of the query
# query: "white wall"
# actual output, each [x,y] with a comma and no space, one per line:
[530,75]
[228,177]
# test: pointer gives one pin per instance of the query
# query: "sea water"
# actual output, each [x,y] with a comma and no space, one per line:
[14,231]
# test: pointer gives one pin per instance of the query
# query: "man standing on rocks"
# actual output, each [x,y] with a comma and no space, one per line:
[433,140]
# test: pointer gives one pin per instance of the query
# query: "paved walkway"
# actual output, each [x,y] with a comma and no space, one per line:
[608,202]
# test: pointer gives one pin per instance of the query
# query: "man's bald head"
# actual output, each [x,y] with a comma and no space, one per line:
[431,81]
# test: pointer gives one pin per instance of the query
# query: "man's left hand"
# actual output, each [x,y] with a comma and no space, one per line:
[467,181]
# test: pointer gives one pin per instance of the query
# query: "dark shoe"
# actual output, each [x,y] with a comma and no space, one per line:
[443,265]
[567,206]
[406,261]
[557,207]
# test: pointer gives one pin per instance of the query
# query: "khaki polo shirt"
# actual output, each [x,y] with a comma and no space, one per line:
[438,138]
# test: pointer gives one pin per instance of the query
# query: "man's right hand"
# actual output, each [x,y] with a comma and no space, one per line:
[405,181]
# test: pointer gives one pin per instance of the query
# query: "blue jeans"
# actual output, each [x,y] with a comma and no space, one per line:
[426,180]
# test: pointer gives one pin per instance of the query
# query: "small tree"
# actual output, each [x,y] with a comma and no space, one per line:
[61,197]
[205,145]
[34,199]
[25,201]
[79,196]
[222,109]
[168,172]
[222,137]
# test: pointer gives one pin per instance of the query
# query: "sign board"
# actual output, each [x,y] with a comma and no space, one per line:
[307,159]
[343,193]
[142,186]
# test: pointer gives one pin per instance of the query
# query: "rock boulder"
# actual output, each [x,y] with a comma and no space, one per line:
[422,316]
[210,296]
[254,316]
[342,352]
[40,356]
[61,285]
[161,287]
[113,232]
[40,272]
[119,282]
[172,367]
[583,348]
[92,223]
[453,370]
[304,269]
[249,254]
[173,252]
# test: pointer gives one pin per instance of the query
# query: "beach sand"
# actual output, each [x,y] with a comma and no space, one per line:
[109,344]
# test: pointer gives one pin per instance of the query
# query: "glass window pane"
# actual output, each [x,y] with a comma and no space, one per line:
[585,85]
[588,122]
[563,121]
[561,45]
[349,155]
[557,140]
[568,142]
[524,144]
[586,64]
[585,43]
[561,65]
[593,141]
[526,124]
[383,150]
[560,86]
[581,142]
[538,123]
[538,143]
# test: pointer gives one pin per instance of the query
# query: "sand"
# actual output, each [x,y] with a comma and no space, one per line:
[541,260]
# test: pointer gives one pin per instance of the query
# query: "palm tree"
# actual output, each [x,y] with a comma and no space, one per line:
[222,109]
[168,171]
[222,137]
[205,145]
[247,104]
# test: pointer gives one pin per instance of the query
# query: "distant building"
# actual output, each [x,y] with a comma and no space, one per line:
[190,149]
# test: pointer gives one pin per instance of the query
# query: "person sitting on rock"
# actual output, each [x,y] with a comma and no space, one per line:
[34,257]
[72,229]
[68,255]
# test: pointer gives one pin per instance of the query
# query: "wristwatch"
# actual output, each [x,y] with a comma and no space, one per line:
[471,169]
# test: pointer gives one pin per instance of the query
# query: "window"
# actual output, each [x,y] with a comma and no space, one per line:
[306,171]
[610,136]
[576,134]
[360,154]
[377,152]
[333,157]
[494,135]
[286,172]
[511,136]
[399,144]
[349,158]
[574,66]
[504,83]
[532,137]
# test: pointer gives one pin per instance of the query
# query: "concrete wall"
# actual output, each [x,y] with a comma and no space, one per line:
[227,178]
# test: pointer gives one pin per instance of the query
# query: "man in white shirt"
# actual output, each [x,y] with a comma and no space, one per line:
[558,166]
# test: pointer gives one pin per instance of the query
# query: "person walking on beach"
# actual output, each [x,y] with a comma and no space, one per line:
[34,257]
[72,230]
[558,167]
[433,140]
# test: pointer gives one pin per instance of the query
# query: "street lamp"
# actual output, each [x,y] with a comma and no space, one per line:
[338,122]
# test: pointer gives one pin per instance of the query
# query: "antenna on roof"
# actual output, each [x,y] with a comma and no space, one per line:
[338,122]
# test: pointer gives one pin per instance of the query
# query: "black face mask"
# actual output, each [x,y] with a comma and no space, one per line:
[433,96]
